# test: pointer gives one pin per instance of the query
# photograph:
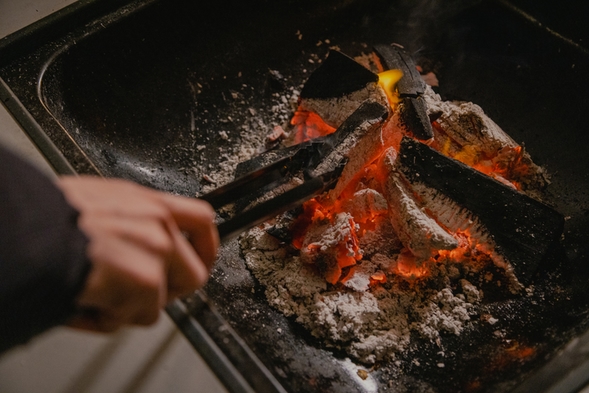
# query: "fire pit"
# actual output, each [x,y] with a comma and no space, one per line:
[169,93]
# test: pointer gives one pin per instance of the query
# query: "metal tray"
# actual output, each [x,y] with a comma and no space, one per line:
[131,88]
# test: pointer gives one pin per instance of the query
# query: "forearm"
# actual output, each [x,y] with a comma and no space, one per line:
[43,263]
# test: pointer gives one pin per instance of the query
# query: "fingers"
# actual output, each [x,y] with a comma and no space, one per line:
[127,286]
[196,219]
[146,248]
[186,272]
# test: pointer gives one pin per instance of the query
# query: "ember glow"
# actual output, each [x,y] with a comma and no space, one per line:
[308,125]
[336,263]
[405,244]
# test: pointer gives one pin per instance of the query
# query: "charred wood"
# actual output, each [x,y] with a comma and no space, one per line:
[338,75]
[521,227]
[394,57]
[411,87]
[338,87]
[414,118]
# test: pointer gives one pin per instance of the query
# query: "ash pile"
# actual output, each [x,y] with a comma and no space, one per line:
[435,209]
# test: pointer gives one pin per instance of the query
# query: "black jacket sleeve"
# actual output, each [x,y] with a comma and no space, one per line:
[42,253]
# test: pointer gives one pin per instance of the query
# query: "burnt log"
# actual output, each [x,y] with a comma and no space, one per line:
[394,57]
[414,118]
[410,88]
[521,227]
[338,87]
[278,170]
[337,76]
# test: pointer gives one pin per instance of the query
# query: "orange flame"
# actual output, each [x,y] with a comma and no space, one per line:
[388,81]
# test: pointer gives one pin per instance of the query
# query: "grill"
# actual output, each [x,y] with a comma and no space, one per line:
[142,89]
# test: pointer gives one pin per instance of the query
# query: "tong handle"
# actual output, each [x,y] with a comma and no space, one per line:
[271,208]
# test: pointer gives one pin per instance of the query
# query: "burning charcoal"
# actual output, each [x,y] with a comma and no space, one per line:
[394,57]
[465,124]
[332,247]
[466,133]
[418,232]
[366,204]
[367,150]
[365,120]
[521,227]
[338,87]
[411,87]
[414,117]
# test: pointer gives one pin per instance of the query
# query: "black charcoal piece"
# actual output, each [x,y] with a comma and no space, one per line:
[394,57]
[337,76]
[318,156]
[522,227]
[414,117]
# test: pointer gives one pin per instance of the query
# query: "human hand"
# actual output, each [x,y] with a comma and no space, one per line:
[146,248]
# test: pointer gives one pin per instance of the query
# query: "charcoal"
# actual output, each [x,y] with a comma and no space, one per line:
[342,143]
[317,156]
[414,117]
[338,87]
[521,227]
[337,76]
[417,231]
[410,88]
[394,57]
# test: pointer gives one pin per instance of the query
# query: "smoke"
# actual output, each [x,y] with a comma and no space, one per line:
[423,22]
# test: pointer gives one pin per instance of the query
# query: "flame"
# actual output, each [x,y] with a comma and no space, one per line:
[388,81]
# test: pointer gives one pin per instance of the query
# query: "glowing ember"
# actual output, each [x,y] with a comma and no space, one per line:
[384,256]
[309,125]
[426,238]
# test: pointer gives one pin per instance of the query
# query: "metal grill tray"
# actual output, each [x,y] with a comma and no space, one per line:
[107,87]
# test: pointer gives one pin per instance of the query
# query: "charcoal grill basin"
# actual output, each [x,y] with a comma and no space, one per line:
[141,90]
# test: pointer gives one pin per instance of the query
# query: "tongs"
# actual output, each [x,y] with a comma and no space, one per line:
[297,160]
[317,162]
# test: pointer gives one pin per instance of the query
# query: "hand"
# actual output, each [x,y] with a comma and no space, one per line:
[146,248]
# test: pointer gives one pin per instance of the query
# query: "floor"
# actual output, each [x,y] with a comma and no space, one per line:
[135,360]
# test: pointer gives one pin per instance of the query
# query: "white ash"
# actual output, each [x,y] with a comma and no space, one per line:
[334,111]
[254,134]
[372,323]
[420,233]
[468,128]
[345,148]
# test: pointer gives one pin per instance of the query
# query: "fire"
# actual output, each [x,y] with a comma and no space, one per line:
[336,262]
[507,166]
[408,267]
[387,81]
[309,125]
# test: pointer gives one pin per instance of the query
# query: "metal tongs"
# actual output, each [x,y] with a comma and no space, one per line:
[299,158]
[319,162]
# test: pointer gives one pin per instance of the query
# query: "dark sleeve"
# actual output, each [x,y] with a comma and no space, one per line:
[42,253]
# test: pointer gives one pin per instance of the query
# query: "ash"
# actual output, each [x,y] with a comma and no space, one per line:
[370,322]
